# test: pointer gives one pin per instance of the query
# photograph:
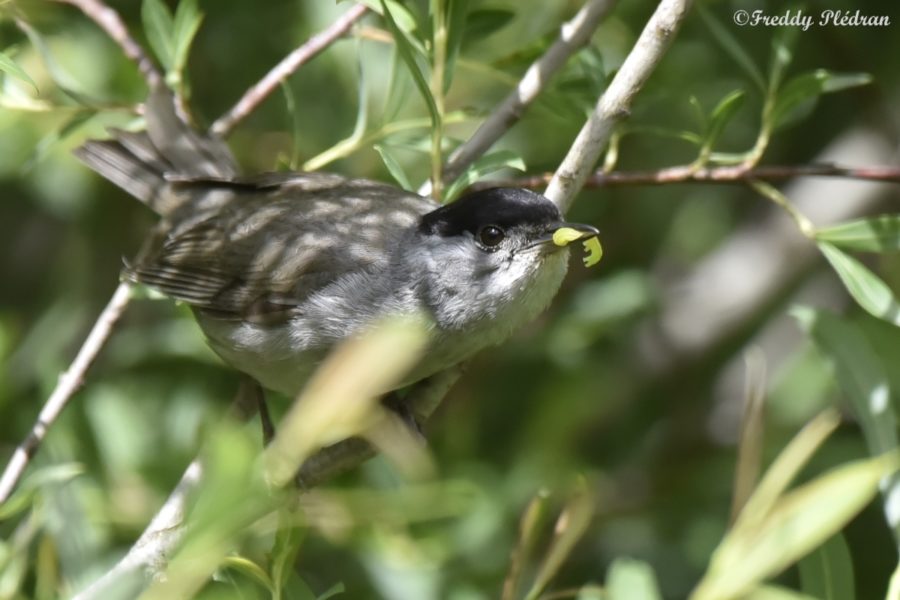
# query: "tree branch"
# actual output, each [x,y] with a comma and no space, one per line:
[254,96]
[615,102]
[68,384]
[690,174]
[573,35]
[109,21]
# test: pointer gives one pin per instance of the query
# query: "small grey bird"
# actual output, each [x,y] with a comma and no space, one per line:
[281,267]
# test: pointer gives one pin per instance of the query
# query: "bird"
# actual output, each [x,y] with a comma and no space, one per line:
[279,268]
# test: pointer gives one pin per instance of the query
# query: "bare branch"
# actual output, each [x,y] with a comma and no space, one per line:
[254,96]
[690,174]
[69,382]
[615,102]
[573,35]
[110,22]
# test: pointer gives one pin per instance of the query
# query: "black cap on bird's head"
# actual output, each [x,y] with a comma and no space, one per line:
[489,214]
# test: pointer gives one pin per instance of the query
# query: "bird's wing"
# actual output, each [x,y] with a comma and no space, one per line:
[255,249]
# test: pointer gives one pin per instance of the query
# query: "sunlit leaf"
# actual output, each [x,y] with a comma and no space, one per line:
[407,52]
[184,28]
[864,380]
[9,66]
[869,291]
[801,520]
[394,167]
[158,27]
[873,234]
[827,573]
[629,579]
[571,525]
[250,569]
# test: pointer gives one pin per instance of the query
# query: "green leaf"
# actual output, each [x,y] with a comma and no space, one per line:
[483,22]
[9,66]
[288,539]
[775,592]
[487,164]
[338,588]
[49,141]
[456,29]
[799,96]
[394,167]
[800,521]
[732,47]
[250,569]
[783,43]
[184,29]
[401,15]
[721,115]
[827,573]
[863,378]
[406,51]
[869,291]
[23,498]
[873,234]
[629,579]
[158,27]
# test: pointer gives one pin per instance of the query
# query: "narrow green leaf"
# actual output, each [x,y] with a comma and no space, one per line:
[800,521]
[288,539]
[776,592]
[405,50]
[785,468]
[23,497]
[732,47]
[869,291]
[483,22]
[250,569]
[864,379]
[827,573]
[783,43]
[184,29]
[629,579]
[456,30]
[873,234]
[9,66]
[487,164]
[401,15]
[591,592]
[799,96]
[721,115]
[158,27]
[49,141]
[290,101]
[571,525]
[394,167]
[338,588]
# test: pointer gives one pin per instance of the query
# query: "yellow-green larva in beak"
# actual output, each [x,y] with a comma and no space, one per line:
[565,235]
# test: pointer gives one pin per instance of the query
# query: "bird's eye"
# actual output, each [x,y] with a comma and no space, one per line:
[491,235]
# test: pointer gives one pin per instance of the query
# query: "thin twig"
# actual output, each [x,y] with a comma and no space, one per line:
[615,102]
[68,384]
[573,35]
[110,22]
[254,96]
[690,174]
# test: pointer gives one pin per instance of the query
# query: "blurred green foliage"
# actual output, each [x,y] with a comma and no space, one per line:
[571,408]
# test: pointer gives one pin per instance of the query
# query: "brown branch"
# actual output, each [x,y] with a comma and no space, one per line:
[690,174]
[110,22]
[68,384]
[254,96]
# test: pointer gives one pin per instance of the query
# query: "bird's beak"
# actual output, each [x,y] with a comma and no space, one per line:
[559,235]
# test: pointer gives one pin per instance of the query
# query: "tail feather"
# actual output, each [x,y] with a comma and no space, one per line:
[143,164]
[113,160]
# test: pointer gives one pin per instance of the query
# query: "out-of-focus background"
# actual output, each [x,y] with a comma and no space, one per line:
[632,384]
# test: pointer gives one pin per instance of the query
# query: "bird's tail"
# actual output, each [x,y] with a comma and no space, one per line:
[145,163]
